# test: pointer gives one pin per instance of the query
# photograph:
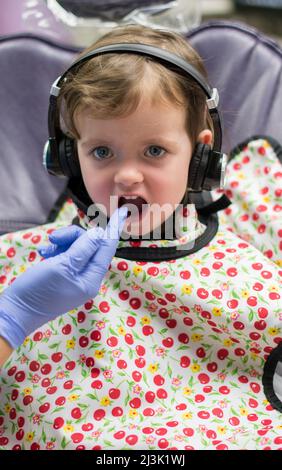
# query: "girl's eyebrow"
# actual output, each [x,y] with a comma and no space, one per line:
[90,142]
[153,139]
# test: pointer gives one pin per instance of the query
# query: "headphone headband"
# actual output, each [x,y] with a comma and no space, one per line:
[169,59]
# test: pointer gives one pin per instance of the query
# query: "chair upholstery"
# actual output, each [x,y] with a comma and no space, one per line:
[28,66]
[246,67]
[242,63]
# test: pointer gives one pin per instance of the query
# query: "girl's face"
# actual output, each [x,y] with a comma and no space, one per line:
[146,153]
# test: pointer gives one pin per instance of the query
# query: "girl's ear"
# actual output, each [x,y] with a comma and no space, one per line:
[205,137]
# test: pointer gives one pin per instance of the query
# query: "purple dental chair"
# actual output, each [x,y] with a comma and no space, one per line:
[242,63]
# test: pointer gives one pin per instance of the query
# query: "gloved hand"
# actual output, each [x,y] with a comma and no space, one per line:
[60,283]
[61,240]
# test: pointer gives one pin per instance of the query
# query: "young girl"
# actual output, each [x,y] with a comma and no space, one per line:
[170,349]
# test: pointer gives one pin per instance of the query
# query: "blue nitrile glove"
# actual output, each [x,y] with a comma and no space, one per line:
[61,240]
[60,283]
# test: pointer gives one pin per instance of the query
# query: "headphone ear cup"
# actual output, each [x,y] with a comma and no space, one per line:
[207,170]
[68,157]
[198,166]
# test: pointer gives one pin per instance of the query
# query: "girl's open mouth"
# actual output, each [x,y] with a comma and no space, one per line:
[137,206]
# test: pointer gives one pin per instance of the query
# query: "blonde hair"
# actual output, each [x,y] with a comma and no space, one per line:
[112,85]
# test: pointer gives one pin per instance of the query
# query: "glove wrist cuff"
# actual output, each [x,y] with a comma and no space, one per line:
[10,330]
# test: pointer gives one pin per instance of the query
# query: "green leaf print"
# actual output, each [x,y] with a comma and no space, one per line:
[43,436]
[64,443]
[169,370]
[54,345]
[84,373]
[234,412]
[157,292]
[145,379]
[234,385]
[42,357]
[93,397]
[251,315]
[235,295]
[18,408]
[144,278]
[108,443]
[59,408]
[114,302]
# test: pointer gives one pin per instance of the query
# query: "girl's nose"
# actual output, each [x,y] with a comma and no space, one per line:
[128,176]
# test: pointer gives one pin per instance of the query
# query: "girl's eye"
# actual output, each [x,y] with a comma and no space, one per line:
[155,151]
[101,153]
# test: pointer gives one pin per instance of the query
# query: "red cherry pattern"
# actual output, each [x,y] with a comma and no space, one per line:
[169,355]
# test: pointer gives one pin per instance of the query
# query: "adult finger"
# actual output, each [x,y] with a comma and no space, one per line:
[109,240]
[66,235]
[93,240]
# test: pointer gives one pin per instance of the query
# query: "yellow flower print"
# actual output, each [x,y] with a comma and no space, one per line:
[70,343]
[265,402]
[153,368]
[213,247]
[196,337]
[26,341]
[187,391]
[243,411]
[254,356]
[145,321]
[241,175]
[273,331]
[245,294]
[121,331]
[133,413]
[27,391]
[7,408]
[73,397]
[185,289]
[68,428]
[273,289]
[137,270]
[72,311]
[187,415]
[228,342]
[217,312]
[105,401]
[221,430]
[22,268]
[278,262]
[245,206]
[266,199]
[99,354]
[195,368]
[197,262]
[29,436]
[279,426]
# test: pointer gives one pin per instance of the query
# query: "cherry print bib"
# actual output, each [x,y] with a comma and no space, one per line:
[174,353]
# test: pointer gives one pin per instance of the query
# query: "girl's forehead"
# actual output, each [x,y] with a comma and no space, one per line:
[148,117]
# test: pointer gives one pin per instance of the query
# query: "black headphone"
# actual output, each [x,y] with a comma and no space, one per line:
[207,168]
